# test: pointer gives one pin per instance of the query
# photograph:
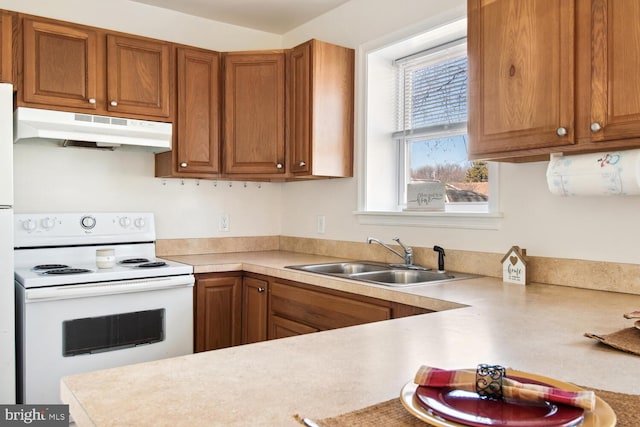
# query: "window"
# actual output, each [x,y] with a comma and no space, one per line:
[431,104]
[415,130]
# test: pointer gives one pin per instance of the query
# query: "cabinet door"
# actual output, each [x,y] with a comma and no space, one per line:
[198,124]
[615,84]
[60,64]
[254,310]
[521,75]
[6,47]
[254,110]
[320,85]
[218,307]
[138,76]
[299,108]
[279,327]
[322,308]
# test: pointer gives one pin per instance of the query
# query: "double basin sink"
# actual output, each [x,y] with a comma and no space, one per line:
[382,274]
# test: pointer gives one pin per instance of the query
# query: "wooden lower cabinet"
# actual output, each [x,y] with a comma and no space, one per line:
[279,327]
[254,309]
[218,304]
[297,308]
[241,308]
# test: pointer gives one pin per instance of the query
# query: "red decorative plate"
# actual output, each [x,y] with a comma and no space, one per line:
[468,408]
[601,416]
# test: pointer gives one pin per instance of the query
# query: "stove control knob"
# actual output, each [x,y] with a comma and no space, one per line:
[139,222]
[125,221]
[47,223]
[29,225]
[87,222]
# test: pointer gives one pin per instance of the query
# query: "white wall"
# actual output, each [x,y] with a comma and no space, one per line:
[594,228]
[149,21]
[585,228]
[49,178]
[54,179]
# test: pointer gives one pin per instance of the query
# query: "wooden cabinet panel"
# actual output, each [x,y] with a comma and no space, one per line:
[138,76]
[322,309]
[320,85]
[6,47]
[218,304]
[74,67]
[299,108]
[60,65]
[235,308]
[280,327]
[254,309]
[196,133]
[521,74]
[615,82]
[254,109]
[568,64]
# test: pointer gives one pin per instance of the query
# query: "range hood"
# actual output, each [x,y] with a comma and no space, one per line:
[79,129]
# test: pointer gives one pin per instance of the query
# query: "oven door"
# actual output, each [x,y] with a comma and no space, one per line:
[67,330]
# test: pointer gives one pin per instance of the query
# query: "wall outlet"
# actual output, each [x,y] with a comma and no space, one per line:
[223,224]
[320,224]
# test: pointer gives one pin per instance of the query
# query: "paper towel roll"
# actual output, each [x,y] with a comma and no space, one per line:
[613,173]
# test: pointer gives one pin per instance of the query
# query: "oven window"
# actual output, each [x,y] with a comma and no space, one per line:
[112,332]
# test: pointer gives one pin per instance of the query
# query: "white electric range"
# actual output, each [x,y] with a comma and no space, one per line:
[72,316]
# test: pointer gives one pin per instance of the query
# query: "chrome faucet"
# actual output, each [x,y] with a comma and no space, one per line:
[408,252]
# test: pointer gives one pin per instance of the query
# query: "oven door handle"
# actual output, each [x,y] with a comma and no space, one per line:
[107,288]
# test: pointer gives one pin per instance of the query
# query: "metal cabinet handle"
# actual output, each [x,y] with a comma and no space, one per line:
[302,164]
[278,165]
[561,131]
[92,100]
[114,103]
[595,127]
[261,289]
[183,164]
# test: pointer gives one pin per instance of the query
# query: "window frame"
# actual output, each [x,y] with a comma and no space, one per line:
[407,41]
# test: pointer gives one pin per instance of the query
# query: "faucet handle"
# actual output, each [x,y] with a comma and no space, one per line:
[408,252]
[397,240]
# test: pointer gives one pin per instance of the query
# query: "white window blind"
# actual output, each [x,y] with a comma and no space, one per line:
[432,88]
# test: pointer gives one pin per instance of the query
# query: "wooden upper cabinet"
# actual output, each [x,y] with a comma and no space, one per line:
[138,76]
[553,76]
[60,65]
[521,75]
[198,124]
[75,67]
[254,110]
[320,110]
[6,47]
[609,30]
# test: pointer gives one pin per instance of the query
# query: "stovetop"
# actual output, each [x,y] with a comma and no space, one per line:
[65,245]
[82,273]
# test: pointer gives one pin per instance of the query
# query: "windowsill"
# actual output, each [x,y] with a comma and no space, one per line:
[463,220]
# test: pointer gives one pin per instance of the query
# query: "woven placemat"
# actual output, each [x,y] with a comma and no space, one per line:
[392,413]
[626,339]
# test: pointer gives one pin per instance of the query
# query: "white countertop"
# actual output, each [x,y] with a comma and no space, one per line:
[534,328]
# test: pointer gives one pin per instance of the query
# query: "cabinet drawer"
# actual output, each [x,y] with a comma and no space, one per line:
[283,328]
[323,310]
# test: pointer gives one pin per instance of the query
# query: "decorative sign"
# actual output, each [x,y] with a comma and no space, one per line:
[425,195]
[514,266]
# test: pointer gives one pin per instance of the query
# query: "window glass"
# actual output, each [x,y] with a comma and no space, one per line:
[414,130]
[432,126]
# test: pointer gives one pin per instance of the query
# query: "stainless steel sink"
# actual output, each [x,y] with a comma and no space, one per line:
[408,277]
[343,267]
[382,274]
